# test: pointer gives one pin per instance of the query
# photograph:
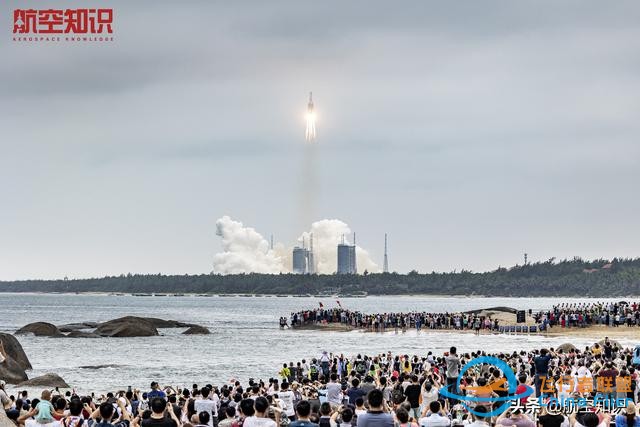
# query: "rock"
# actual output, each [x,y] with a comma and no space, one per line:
[566,347]
[13,369]
[40,329]
[82,334]
[14,350]
[109,365]
[197,330]
[161,323]
[500,308]
[70,327]
[46,380]
[129,326]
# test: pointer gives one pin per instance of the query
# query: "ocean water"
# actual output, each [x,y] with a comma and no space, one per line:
[246,341]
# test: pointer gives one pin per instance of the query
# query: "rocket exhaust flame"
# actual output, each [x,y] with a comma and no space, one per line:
[310,132]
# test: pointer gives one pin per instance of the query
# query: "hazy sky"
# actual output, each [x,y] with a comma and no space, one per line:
[470,131]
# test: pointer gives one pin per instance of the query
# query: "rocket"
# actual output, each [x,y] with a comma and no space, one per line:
[310,104]
[310,132]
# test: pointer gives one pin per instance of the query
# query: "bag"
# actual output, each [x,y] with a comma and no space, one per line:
[361,368]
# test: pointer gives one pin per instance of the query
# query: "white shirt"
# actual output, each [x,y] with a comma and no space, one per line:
[429,396]
[435,420]
[287,402]
[254,421]
[205,405]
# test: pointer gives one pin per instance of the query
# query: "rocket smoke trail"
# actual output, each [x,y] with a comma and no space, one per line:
[308,191]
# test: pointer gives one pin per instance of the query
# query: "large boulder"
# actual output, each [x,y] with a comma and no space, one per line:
[40,329]
[197,330]
[499,309]
[46,380]
[12,370]
[567,347]
[129,326]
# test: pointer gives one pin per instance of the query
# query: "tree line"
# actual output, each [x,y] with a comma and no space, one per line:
[568,277]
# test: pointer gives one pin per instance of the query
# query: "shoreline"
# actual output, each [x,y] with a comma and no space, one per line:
[250,295]
[597,332]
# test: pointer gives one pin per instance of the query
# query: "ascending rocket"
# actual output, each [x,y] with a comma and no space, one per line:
[310,132]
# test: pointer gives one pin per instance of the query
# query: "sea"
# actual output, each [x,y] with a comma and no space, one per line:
[246,341]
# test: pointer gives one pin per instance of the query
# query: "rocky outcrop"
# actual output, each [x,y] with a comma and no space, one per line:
[129,326]
[12,370]
[567,347]
[46,380]
[499,308]
[40,329]
[197,330]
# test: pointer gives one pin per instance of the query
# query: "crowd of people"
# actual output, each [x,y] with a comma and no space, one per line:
[388,321]
[573,315]
[383,390]
[566,315]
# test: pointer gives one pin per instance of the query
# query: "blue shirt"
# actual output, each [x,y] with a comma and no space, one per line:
[621,421]
[156,393]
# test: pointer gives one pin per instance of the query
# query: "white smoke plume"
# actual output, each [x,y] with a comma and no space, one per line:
[327,233]
[246,251]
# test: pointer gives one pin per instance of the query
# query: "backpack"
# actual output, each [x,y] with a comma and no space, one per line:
[361,368]
[397,395]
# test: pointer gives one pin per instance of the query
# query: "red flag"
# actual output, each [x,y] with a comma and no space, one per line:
[321,305]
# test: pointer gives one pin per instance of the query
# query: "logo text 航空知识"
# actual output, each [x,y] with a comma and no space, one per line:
[63,25]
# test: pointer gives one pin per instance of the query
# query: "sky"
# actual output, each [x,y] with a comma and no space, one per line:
[470,132]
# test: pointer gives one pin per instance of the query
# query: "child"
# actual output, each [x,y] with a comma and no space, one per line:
[44,408]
